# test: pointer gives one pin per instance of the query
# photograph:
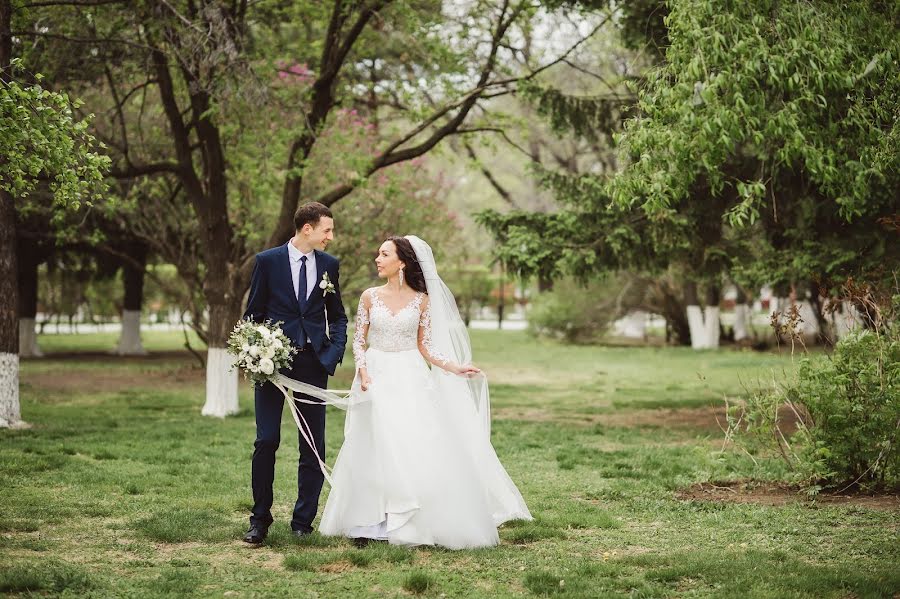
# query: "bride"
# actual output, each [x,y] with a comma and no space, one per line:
[417,466]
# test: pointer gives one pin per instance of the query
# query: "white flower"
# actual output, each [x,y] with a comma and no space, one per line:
[326,285]
[261,349]
[267,366]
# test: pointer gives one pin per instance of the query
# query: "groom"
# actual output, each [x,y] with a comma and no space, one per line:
[289,284]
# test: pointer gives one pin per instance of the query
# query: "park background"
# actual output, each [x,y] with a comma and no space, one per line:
[671,225]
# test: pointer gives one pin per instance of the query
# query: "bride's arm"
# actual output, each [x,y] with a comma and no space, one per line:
[430,352]
[360,334]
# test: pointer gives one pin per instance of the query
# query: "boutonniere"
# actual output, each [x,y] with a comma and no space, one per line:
[326,285]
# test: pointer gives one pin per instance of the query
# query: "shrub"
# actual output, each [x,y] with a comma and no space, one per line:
[575,312]
[847,412]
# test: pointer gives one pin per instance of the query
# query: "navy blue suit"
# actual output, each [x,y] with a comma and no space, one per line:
[272,297]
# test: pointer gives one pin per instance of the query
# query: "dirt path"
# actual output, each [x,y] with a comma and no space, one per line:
[778,494]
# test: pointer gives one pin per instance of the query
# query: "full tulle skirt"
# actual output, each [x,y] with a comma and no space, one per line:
[417,466]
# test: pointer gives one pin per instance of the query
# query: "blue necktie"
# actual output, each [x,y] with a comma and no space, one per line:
[301,293]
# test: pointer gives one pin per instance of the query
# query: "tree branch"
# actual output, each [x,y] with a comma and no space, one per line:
[334,55]
[71,3]
[392,155]
[185,171]
[139,170]
[502,191]
[118,108]
[81,40]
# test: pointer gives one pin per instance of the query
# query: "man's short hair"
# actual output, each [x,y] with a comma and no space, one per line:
[310,213]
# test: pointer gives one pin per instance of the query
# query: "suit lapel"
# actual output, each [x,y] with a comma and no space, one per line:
[286,266]
[320,268]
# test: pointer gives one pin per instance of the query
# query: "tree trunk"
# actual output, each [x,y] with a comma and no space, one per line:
[9,326]
[703,322]
[844,319]
[501,300]
[10,415]
[133,281]
[711,316]
[221,379]
[826,334]
[28,258]
[809,327]
[742,316]
[224,298]
[694,315]
[545,283]
[666,302]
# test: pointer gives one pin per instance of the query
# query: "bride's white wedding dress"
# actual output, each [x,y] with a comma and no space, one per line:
[417,466]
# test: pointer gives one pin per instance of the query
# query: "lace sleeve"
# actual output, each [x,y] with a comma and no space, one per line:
[361,331]
[426,342]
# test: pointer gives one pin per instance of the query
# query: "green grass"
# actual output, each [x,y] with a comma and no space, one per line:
[121,488]
[418,582]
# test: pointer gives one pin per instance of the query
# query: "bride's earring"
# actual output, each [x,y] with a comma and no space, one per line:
[401,277]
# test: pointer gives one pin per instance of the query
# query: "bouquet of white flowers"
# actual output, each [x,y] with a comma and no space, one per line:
[260,349]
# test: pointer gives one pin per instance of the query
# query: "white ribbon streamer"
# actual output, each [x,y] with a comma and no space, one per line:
[338,398]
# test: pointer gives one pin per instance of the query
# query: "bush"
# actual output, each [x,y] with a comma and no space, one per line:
[576,312]
[847,411]
[853,400]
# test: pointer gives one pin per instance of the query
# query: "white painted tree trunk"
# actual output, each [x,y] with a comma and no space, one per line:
[704,326]
[221,384]
[130,339]
[776,306]
[741,322]
[10,414]
[28,345]
[634,325]
[810,325]
[695,324]
[711,325]
[844,320]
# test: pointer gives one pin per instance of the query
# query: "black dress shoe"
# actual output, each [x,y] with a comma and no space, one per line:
[256,535]
[360,542]
[301,533]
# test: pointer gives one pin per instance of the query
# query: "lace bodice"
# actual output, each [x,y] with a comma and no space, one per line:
[379,328]
[394,332]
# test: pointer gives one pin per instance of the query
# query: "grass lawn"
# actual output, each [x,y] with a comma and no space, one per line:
[122,489]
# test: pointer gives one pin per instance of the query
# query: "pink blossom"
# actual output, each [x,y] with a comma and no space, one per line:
[296,73]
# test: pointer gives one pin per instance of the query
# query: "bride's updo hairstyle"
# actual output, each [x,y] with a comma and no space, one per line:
[412,274]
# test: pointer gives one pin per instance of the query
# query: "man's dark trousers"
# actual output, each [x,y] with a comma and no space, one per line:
[269,407]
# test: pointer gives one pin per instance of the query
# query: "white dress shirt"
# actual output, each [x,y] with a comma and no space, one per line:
[295,256]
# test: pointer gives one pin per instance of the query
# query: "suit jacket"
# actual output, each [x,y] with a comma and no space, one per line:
[272,297]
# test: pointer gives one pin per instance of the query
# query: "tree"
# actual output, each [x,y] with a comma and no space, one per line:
[219,69]
[781,114]
[39,140]
[762,147]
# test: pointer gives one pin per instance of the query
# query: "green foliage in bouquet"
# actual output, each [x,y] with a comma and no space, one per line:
[260,350]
